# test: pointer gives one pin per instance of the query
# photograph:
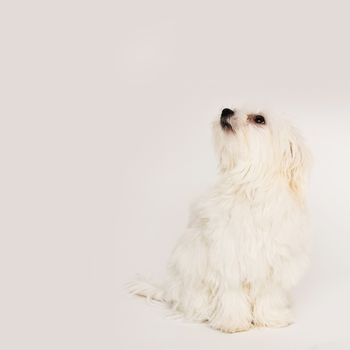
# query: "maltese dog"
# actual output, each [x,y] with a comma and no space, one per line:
[246,243]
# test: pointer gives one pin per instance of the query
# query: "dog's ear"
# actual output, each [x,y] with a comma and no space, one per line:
[296,162]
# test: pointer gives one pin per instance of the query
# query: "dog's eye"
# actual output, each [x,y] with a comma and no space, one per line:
[259,119]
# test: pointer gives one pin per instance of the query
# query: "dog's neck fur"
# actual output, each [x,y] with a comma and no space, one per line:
[248,181]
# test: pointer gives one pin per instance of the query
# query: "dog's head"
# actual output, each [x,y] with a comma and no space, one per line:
[259,146]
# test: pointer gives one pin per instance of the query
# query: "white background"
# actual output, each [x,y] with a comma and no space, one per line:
[105,139]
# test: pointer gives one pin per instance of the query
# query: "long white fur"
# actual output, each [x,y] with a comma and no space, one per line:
[246,243]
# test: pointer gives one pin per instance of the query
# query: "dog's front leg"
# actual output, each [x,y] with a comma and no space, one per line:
[271,306]
[232,310]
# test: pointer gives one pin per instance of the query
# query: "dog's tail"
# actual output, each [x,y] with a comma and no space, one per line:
[146,289]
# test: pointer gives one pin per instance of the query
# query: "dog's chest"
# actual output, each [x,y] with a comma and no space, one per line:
[253,234]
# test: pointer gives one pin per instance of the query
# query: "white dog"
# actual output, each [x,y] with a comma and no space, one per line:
[246,243]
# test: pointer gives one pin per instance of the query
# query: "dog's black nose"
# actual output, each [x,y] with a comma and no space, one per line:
[226,113]
[225,116]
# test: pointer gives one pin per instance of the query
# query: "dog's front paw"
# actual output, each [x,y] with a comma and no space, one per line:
[272,307]
[274,318]
[233,313]
[230,325]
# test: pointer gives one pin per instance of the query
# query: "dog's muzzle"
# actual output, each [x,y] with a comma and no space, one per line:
[226,114]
